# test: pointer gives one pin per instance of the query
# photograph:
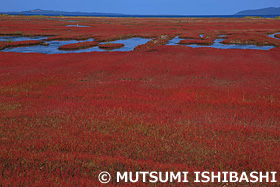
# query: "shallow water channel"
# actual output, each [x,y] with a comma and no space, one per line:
[273,35]
[52,48]
[77,25]
[129,45]
[217,44]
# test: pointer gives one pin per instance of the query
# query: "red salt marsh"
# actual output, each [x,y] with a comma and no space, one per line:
[5,44]
[64,118]
[111,46]
[77,46]
[200,42]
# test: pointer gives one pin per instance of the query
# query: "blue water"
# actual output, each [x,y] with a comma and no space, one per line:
[218,45]
[68,20]
[129,45]
[77,25]
[273,35]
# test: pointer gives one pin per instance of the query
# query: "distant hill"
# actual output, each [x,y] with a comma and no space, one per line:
[272,11]
[62,13]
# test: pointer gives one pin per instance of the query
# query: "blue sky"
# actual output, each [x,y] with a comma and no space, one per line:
[182,7]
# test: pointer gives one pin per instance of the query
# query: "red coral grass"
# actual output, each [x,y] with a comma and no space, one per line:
[21,43]
[110,46]
[190,35]
[80,45]
[159,41]
[251,39]
[198,42]
[205,40]
[64,118]
[66,38]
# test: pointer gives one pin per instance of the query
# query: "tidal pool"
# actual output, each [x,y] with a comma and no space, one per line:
[68,20]
[77,25]
[217,44]
[129,44]
[52,48]
[273,35]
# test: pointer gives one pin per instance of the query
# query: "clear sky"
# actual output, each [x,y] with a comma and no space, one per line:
[179,7]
